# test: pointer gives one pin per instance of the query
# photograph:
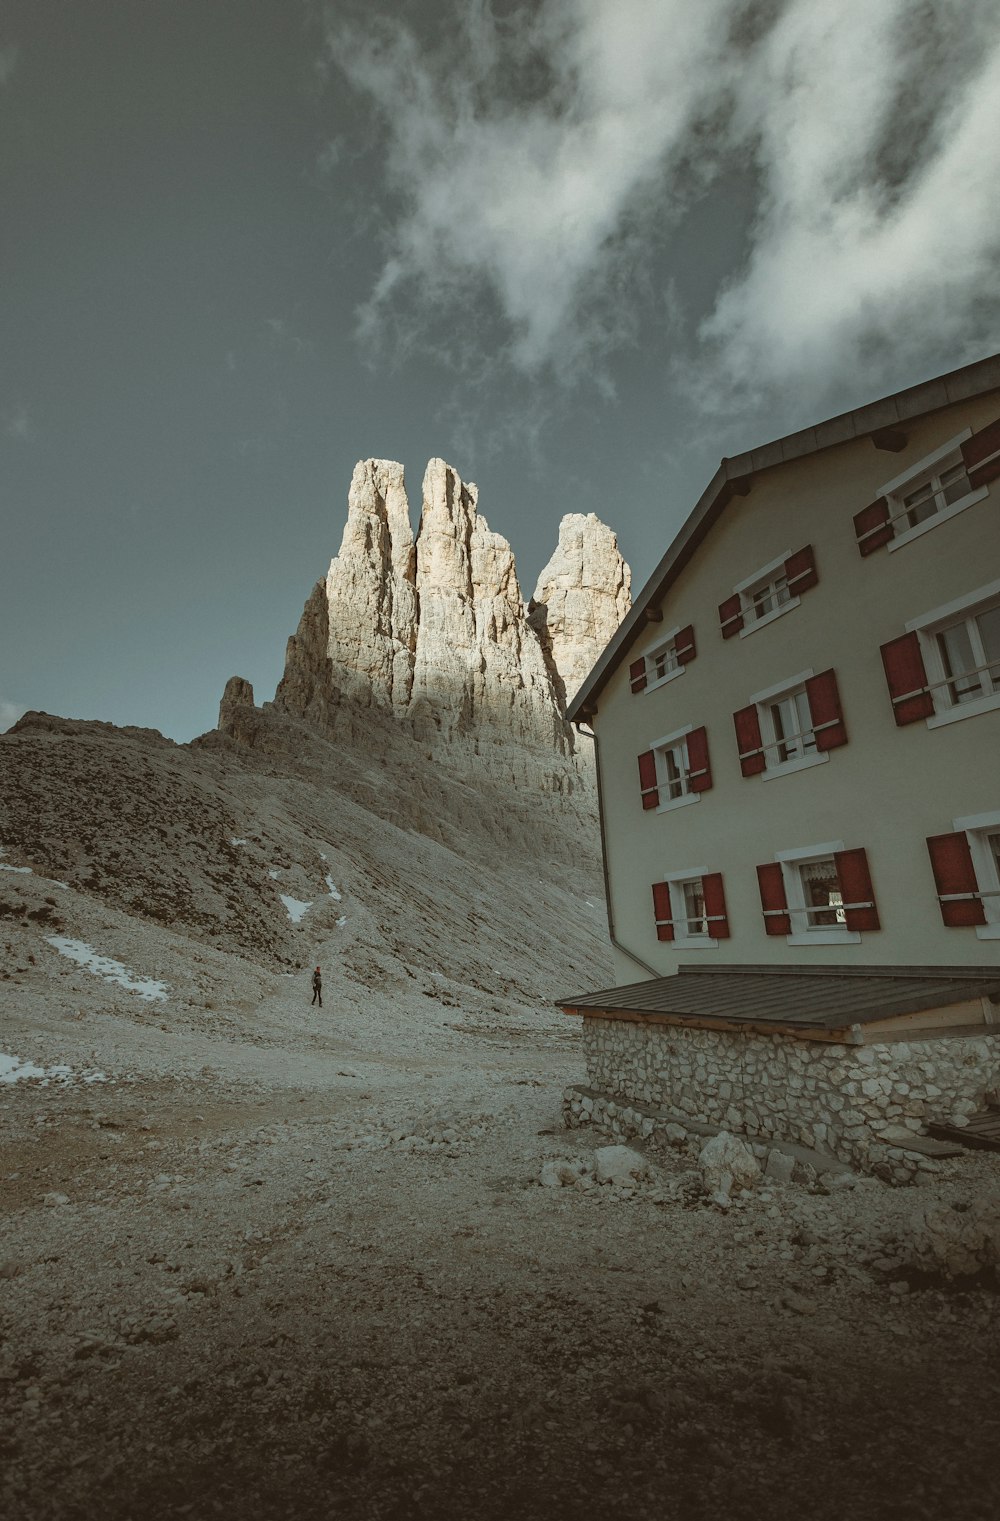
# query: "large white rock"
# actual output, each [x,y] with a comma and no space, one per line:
[619,1164]
[727,1162]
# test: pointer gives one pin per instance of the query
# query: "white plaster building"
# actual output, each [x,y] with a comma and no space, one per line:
[797,731]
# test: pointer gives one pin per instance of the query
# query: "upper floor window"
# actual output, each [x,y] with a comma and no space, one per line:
[675,770]
[966,867]
[947,665]
[791,726]
[772,590]
[931,491]
[664,661]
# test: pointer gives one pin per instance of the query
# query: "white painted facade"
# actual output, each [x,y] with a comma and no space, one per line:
[887,788]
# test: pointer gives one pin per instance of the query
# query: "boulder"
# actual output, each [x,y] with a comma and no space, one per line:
[727,1163]
[619,1164]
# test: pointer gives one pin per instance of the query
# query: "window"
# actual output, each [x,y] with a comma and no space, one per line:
[675,770]
[690,908]
[947,666]
[665,661]
[936,488]
[966,867]
[791,726]
[772,590]
[970,656]
[818,895]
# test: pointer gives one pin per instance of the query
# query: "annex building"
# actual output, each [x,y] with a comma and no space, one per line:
[797,733]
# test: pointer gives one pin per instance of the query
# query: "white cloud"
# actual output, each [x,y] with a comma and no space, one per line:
[527,194]
[8,62]
[537,161]
[10,712]
[876,242]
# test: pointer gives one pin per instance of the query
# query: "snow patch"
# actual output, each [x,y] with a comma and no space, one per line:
[24,870]
[274,874]
[108,968]
[234,841]
[14,1070]
[341,922]
[296,908]
[332,888]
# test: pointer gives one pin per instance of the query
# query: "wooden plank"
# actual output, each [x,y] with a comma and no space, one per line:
[973,1136]
[968,1013]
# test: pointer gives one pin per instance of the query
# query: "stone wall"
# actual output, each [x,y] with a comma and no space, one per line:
[855,1102]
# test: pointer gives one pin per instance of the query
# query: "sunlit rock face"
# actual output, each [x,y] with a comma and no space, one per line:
[433,632]
[581,597]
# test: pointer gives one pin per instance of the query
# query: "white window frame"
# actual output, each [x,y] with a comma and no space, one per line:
[931,464]
[976,827]
[768,736]
[927,627]
[663,643]
[676,881]
[669,742]
[798,912]
[750,584]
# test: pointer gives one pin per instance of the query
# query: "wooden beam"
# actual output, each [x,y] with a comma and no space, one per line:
[890,440]
[965,1014]
[652,614]
[740,485]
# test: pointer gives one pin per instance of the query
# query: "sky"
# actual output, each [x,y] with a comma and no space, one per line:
[581,249]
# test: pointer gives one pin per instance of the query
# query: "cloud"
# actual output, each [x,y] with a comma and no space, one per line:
[8,62]
[518,157]
[877,236]
[282,333]
[10,712]
[537,161]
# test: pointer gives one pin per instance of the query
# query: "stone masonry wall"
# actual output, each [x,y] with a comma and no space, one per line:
[852,1101]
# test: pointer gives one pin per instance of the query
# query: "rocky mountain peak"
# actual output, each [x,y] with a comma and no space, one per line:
[581,597]
[434,629]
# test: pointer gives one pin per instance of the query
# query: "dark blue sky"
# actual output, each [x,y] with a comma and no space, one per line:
[579,252]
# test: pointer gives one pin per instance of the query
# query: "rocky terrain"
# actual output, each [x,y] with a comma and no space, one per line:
[265,1259]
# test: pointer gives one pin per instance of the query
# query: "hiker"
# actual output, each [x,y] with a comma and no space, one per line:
[317,985]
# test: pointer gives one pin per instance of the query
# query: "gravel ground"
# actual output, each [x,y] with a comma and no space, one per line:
[260,1260]
[347,1294]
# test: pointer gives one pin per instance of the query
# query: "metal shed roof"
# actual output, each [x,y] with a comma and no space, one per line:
[820,998]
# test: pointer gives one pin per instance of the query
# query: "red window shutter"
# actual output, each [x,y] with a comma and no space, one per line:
[824,707]
[730,616]
[699,767]
[981,454]
[800,570]
[955,880]
[907,678]
[647,780]
[637,675]
[715,906]
[748,738]
[856,888]
[773,900]
[872,526]
[684,644]
[662,912]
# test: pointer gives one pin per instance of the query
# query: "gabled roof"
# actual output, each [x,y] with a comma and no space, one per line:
[878,421]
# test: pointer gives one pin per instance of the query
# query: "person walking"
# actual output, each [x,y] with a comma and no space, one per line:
[317,986]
